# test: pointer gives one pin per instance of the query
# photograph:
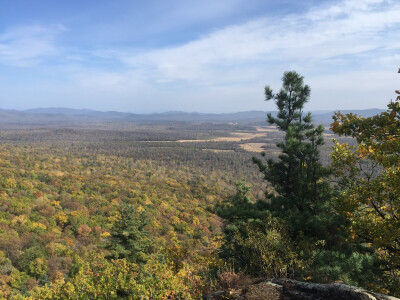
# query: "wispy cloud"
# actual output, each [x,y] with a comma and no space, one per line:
[349,28]
[28,45]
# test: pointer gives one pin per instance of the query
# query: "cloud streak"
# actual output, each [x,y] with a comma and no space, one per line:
[28,45]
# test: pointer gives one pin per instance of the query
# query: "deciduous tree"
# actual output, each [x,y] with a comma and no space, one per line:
[369,174]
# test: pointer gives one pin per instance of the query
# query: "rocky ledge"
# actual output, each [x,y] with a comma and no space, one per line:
[286,289]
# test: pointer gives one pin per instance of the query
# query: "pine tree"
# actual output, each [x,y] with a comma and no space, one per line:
[303,198]
[295,230]
[300,192]
[129,239]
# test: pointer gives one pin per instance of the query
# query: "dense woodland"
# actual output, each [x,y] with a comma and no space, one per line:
[121,210]
[63,193]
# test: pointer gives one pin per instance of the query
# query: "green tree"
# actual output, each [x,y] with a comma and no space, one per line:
[129,239]
[254,241]
[300,192]
[369,175]
[295,231]
[295,225]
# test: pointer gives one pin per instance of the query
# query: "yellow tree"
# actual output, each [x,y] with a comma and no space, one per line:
[369,173]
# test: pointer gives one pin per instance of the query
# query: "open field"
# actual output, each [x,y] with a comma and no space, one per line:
[253,147]
[236,137]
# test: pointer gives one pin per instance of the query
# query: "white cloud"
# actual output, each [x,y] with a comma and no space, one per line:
[350,28]
[344,8]
[28,45]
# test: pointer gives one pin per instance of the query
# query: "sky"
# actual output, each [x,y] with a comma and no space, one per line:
[196,56]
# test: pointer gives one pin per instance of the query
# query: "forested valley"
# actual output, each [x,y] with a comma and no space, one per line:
[178,209]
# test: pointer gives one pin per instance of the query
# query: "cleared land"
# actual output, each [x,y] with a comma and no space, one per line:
[236,137]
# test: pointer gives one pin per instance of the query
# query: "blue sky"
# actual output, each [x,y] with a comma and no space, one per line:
[205,56]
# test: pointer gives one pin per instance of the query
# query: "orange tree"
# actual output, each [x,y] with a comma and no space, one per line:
[369,174]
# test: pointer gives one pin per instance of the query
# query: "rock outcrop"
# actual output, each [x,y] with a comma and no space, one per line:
[286,289]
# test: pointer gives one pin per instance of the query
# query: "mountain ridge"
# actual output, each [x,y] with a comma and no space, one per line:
[63,114]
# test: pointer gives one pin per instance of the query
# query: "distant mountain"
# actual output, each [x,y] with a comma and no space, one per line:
[43,116]
[56,115]
[248,116]
[60,111]
[77,112]
[326,117]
